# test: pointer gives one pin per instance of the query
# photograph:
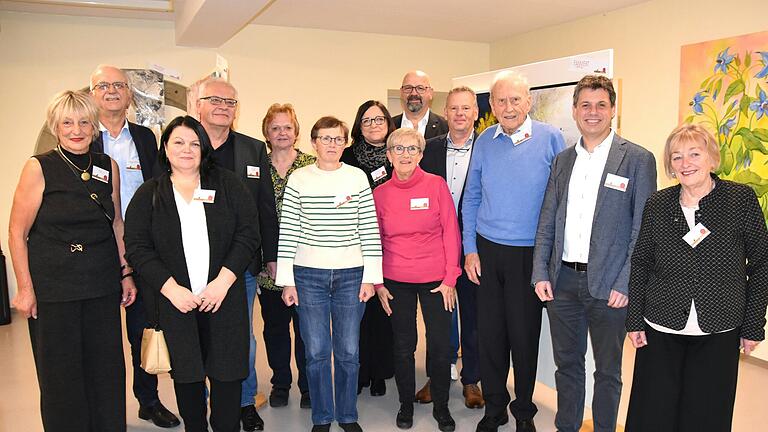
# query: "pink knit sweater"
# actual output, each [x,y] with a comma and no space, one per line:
[419,229]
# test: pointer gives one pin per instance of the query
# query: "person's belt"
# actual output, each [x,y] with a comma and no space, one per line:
[579,267]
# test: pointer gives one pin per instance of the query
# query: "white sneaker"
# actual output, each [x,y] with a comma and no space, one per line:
[454,373]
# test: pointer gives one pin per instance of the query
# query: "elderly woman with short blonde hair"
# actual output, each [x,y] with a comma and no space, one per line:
[698,290]
[66,242]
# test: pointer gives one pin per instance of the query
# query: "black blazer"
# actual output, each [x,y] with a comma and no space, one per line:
[253,152]
[436,125]
[433,161]
[726,274]
[154,249]
[146,146]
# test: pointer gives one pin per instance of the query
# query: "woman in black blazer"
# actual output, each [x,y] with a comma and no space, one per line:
[190,234]
[368,151]
[697,292]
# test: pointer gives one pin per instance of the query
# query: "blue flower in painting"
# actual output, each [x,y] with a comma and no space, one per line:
[723,60]
[760,106]
[698,98]
[726,127]
[764,72]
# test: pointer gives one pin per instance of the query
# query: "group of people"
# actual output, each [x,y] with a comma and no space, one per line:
[346,243]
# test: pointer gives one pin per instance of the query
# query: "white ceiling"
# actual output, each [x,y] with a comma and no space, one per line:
[479,21]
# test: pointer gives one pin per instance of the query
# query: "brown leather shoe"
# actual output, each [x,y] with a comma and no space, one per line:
[424,396]
[473,397]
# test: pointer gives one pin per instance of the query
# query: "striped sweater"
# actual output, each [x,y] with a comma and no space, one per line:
[328,221]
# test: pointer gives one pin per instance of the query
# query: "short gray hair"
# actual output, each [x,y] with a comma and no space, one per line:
[514,77]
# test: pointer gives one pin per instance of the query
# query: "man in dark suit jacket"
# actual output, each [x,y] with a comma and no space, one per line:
[415,98]
[448,156]
[588,225]
[134,149]
[247,158]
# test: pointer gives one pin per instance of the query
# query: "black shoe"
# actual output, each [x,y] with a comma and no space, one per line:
[525,425]
[321,428]
[378,387]
[159,415]
[491,424]
[361,385]
[404,418]
[278,397]
[350,427]
[306,402]
[250,418]
[444,420]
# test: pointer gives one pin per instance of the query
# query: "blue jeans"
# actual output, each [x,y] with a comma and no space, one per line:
[325,297]
[250,384]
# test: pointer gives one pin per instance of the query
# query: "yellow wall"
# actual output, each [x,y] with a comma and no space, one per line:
[320,72]
[646,40]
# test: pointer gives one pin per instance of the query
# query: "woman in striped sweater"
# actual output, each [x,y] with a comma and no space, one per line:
[329,257]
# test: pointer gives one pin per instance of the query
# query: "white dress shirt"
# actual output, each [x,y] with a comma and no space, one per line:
[456,167]
[422,124]
[194,239]
[582,198]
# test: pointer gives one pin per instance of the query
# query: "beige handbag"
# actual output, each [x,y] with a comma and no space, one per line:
[154,352]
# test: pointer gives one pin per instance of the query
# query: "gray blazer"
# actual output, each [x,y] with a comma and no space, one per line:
[615,225]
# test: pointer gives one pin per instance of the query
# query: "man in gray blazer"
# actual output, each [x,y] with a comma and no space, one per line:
[587,229]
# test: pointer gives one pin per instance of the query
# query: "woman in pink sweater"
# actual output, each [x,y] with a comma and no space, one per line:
[421,245]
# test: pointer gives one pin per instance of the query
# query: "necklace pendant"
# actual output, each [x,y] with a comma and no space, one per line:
[85,176]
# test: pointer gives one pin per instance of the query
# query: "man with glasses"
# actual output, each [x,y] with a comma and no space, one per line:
[448,156]
[134,149]
[500,212]
[415,98]
[247,158]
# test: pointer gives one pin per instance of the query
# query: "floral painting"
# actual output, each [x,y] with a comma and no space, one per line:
[723,85]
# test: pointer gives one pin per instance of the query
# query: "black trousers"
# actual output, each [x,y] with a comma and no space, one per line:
[508,320]
[277,340]
[144,384]
[438,324]
[225,395]
[470,362]
[684,383]
[376,358]
[78,350]
[225,405]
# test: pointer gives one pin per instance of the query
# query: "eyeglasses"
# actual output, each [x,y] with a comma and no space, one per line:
[412,150]
[512,100]
[328,140]
[420,89]
[217,100]
[367,121]
[104,86]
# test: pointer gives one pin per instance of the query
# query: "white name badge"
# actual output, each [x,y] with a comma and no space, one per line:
[696,235]
[618,183]
[419,203]
[133,166]
[205,195]
[379,174]
[340,200]
[100,174]
[253,172]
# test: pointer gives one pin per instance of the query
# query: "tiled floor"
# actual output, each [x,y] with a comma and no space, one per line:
[19,410]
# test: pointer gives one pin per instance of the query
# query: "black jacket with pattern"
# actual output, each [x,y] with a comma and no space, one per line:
[726,274]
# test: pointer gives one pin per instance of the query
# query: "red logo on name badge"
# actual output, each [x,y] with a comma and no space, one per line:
[623,185]
[703,230]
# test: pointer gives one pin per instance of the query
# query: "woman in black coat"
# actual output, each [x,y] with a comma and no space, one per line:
[189,235]
[368,151]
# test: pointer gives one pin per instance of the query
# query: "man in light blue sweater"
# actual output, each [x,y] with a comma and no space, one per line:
[505,188]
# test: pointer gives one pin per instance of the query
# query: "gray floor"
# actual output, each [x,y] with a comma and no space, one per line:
[19,395]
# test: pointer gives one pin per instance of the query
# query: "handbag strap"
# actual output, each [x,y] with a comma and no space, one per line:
[156,322]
